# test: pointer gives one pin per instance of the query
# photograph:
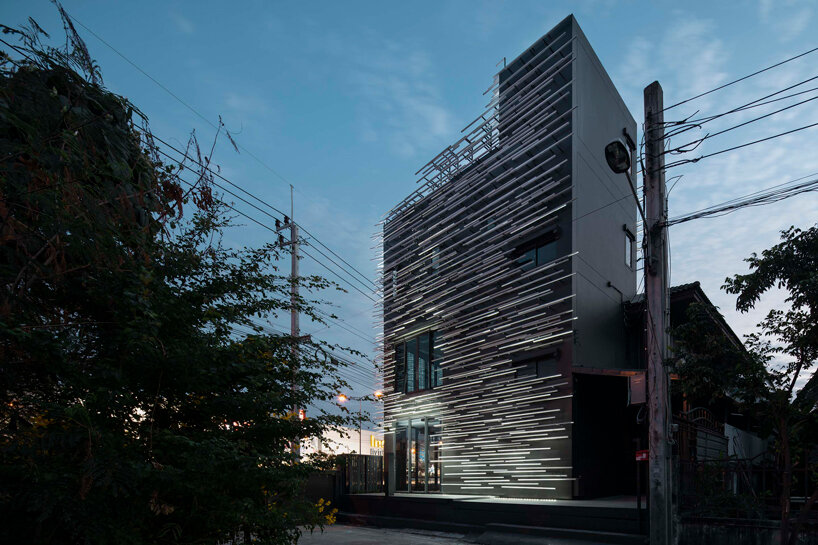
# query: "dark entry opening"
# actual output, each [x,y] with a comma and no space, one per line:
[605,436]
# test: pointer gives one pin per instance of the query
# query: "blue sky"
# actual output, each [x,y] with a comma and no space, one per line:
[346,100]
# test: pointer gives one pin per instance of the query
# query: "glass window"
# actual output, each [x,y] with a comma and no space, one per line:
[418,363]
[546,253]
[400,368]
[547,368]
[423,362]
[539,255]
[437,360]
[528,260]
[411,360]
[628,250]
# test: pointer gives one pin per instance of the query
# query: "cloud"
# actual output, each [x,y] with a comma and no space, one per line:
[244,103]
[689,59]
[403,107]
[184,25]
[788,18]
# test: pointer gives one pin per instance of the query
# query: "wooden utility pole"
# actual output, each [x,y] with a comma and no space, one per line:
[656,295]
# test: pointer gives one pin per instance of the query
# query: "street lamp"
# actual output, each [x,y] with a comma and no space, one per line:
[618,157]
[342,398]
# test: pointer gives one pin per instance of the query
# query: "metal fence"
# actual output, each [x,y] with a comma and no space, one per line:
[361,473]
[739,489]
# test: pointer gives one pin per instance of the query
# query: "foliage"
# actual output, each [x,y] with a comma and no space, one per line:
[134,409]
[788,344]
[711,363]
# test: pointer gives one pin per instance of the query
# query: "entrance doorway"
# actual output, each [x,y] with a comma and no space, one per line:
[417,455]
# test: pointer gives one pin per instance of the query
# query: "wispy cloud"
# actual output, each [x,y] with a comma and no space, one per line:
[689,60]
[184,24]
[402,106]
[789,18]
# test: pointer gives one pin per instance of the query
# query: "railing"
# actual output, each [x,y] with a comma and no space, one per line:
[734,488]
[361,473]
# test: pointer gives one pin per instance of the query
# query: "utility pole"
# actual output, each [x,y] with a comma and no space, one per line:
[656,295]
[289,223]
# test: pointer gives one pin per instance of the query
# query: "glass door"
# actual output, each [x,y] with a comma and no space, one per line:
[418,455]
[435,473]
[401,460]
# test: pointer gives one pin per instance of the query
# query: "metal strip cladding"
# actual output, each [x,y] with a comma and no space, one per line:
[453,255]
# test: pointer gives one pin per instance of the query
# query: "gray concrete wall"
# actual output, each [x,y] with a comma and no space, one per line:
[602,206]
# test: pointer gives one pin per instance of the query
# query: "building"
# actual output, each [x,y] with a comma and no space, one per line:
[504,277]
[345,440]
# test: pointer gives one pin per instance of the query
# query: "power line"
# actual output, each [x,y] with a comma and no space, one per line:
[680,149]
[741,79]
[697,159]
[272,230]
[206,120]
[216,174]
[697,122]
[347,372]
[758,198]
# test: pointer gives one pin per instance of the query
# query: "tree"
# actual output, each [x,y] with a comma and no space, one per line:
[712,365]
[141,400]
[792,335]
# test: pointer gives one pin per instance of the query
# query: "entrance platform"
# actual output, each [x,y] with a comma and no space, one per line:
[607,520]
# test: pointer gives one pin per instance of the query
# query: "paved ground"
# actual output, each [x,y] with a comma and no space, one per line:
[339,534]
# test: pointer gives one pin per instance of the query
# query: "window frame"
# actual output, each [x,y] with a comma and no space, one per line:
[630,240]
[431,371]
[535,247]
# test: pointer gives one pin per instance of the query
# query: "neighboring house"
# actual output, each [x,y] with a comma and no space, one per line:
[505,351]
[345,441]
[708,429]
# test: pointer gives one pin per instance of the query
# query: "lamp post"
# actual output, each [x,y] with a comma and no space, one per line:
[343,398]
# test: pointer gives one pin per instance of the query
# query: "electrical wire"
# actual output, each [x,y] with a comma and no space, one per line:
[695,143]
[758,198]
[239,146]
[697,159]
[740,79]
[218,175]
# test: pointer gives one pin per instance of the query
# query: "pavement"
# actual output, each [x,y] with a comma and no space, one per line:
[342,534]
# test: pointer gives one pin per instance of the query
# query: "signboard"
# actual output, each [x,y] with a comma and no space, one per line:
[642,455]
[374,442]
[637,389]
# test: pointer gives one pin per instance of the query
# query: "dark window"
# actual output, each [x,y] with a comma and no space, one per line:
[418,363]
[540,368]
[423,362]
[400,367]
[629,239]
[411,363]
[538,255]
[437,359]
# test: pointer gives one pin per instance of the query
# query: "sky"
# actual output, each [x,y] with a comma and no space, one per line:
[347,100]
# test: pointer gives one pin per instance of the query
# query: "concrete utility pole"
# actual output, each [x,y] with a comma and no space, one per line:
[656,295]
[295,332]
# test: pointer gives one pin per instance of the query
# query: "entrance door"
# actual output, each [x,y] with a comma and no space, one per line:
[417,455]
[401,460]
